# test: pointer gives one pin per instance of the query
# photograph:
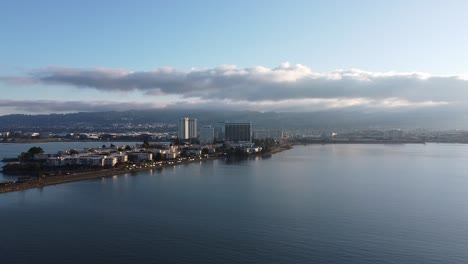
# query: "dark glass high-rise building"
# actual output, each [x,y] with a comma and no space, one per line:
[238,132]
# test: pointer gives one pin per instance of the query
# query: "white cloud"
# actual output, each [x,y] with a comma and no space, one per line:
[297,105]
[287,86]
[287,105]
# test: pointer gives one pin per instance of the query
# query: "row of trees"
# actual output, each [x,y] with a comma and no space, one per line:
[266,144]
[29,155]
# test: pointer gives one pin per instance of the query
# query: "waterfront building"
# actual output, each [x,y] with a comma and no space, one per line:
[55,161]
[121,157]
[166,146]
[187,128]
[238,132]
[170,155]
[140,156]
[72,160]
[91,161]
[268,133]
[110,161]
[165,149]
[206,134]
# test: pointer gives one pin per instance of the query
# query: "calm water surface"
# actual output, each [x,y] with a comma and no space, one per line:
[312,204]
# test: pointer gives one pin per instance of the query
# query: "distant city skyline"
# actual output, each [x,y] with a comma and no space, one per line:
[62,57]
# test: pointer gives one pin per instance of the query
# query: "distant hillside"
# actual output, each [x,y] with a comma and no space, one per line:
[166,120]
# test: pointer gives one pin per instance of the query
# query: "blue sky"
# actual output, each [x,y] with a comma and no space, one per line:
[142,36]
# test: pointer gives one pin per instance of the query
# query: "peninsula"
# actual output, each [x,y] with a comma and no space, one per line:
[38,170]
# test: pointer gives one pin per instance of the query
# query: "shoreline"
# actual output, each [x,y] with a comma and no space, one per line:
[367,142]
[292,142]
[102,173]
[81,176]
[65,140]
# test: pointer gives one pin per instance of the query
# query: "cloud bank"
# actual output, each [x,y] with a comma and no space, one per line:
[54,106]
[284,88]
[300,105]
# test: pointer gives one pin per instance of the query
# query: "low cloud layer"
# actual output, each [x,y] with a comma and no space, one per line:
[297,105]
[284,88]
[54,106]
[258,83]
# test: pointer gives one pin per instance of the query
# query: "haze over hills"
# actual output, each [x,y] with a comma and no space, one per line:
[322,66]
[166,119]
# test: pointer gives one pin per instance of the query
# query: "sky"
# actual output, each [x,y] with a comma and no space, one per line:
[70,56]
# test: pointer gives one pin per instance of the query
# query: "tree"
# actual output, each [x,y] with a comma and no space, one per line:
[158,157]
[146,143]
[184,152]
[35,150]
[205,151]
[74,152]
[29,155]
[238,152]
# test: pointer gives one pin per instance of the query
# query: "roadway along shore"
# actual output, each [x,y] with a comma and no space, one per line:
[88,175]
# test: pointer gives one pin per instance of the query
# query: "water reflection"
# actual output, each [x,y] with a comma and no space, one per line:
[300,206]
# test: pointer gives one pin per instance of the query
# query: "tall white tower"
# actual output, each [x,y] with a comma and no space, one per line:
[187,128]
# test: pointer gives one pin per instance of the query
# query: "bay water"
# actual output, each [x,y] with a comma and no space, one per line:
[311,204]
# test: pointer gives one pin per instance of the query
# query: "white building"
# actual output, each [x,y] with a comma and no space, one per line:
[92,161]
[71,160]
[187,128]
[170,155]
[55,161]
[85,160]
[110,161]
[140,156]
[121,157]
[206,135]
[165,147]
